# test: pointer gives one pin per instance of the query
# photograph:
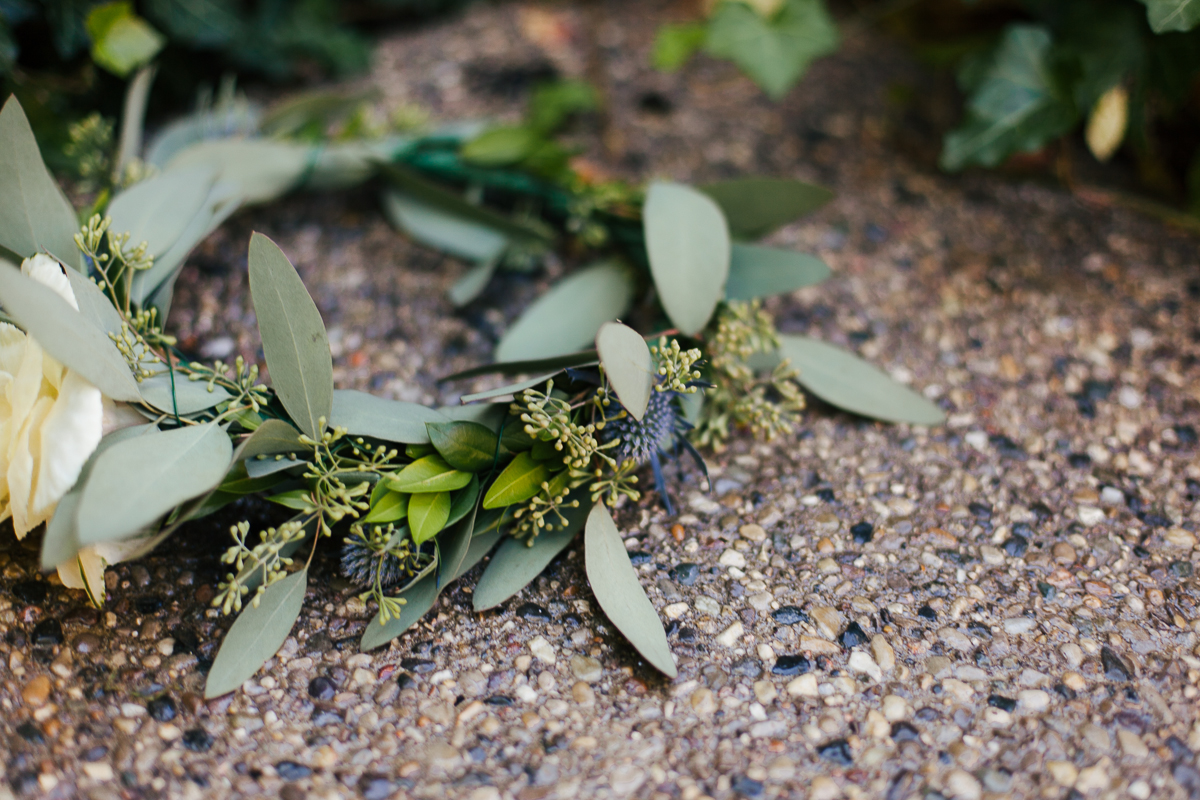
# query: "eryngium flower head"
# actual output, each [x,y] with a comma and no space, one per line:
[361,563]
[642,439]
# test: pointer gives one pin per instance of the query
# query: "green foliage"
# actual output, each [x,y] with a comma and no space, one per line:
[674,45]
[121,40]
[774,52]
[1172,15]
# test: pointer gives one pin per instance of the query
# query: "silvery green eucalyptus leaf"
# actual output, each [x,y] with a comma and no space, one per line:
[754,207]
[756,271]
[363,414]
[257,634]
[627,364]
[443,230]
[66,334]
[687,242]
[35,215]
[293,336]
[159,209]
[180,395]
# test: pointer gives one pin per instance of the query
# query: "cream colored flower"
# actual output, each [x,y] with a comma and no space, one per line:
[51,418]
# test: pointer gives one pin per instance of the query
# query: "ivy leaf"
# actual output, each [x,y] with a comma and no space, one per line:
[627,364]
[842,379]
[137,481]
[427,515]
[756,271]
[754,207]
[687,242]
[257,634]
[773,52]
[467,446]
[293,336]
[1172,15]
[520,480]
[363,414]
[35,214]
[1017,103]
[567,317]
[620,594]
[515,564]
[426,475]
[66,334]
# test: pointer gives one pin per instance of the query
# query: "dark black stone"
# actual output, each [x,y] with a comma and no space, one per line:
[837,751]
[1140,551]
[825,495]
[1079,460]
[1180,569]
[1156,520]
[747,787]
[30,592]
[853,636]
[162,708]
[905,732]
[687,635]
[1178,748]
[1185,435]
[1115,668]
[376,787]
[639,557]
[94,754]
[1001,702]
[1064,691]
[47,633]
[326,716]
[533,612]
[1022,529]
[1096,390]
[925,714]
[980,510]
[789,615]
[1041,512]
[321,688]
[418,665]
[655,103]
[186,640]
[862,532]
[31,732]
[685,573]
[148,605]
[1016,545]
[925,612]
[499,700]
[291,771]
[25,782]
[791,665]
[197,740]
[1046,590]
[748,667]
[404,680]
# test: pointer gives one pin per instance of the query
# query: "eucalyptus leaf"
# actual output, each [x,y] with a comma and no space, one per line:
[66,334]
[428,474]
[181,396]
[472,282]
[1172,15]
[481,544]
[93,304]
[239,482]
[264,467]
[520,480]
[363,414]
[257,634]
[273,437]
[628,366]
[35,214]
[137,481]
[159,209]
[133,117]
[296,499]
[443,230]
[510,389]
[262,169]
[844,380]
[580,359]
[516,564]
[567,317]
[468,446]
[427,515]
[293,337]
[687,242]
[756,271]
[620,594]
[754,207]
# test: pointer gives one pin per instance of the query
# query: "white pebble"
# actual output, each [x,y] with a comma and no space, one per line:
[1033,700]
[675,610]
[1090,515]
[1017,625]
[1129,397]
[542,650]
[962,785]
[732,558]
[895,708]
[730,636]
[863,663]
[804,686]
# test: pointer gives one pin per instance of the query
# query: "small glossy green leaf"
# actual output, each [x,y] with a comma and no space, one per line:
[520,480]
[472,282]
[390,507]
[137,481]
[842,379]
[443,230]
[615,584]
[428,474]
[463,501]
[428,514]
[362,414]
[756,271]
[35,214]
[468,446]
[296,499]
[293,336]
[1172,15]
[755,207]
[501,147]
[516,564]
[121,40]
[180,396]
[567,317]
[687,242]
[239,482]
[66,334]
[627,364]
[675,44]
[257,634]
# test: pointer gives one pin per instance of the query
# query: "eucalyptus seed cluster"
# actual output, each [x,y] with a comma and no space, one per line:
[548,418]
[266,562]
[676,367]
[330,497]
[739,398]
[143,362]
[89,142]
[535,516]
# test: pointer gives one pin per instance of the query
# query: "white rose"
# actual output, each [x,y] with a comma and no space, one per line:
[51,418]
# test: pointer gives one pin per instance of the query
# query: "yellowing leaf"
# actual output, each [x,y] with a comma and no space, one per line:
[1107,123]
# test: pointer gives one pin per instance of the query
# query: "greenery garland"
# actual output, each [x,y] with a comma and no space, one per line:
[128,439]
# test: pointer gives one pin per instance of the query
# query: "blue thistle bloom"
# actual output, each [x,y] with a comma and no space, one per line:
[360,564]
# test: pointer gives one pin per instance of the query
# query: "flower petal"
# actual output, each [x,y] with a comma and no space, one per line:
[69,434]
[48,272]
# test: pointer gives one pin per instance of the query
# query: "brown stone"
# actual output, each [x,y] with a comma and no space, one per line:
[36,692]
[1097,588]
[1064,553]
